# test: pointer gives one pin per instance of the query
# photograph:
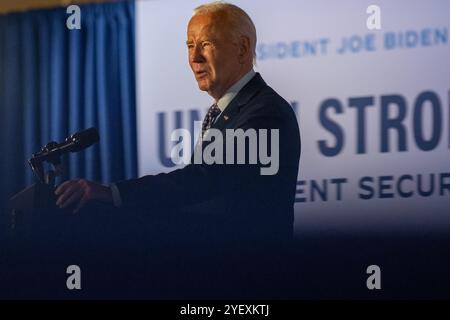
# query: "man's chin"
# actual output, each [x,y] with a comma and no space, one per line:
[203,86]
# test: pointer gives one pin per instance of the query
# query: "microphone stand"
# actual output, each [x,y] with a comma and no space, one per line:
[37,160]
[35,203]
[32,205]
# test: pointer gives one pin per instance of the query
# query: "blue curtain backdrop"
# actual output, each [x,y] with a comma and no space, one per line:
[55,82]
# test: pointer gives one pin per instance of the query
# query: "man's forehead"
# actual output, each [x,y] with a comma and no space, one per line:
[200,28]
[205,25]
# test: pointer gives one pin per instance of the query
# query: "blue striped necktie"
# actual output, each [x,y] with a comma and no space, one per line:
[210,117]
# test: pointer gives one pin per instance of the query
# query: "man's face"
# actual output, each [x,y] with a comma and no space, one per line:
[213,54]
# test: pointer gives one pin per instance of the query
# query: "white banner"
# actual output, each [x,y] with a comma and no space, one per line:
[373,105]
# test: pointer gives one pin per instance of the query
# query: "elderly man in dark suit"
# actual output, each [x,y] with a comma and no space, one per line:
[219,203]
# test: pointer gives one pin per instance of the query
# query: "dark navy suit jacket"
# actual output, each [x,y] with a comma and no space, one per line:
[223,203]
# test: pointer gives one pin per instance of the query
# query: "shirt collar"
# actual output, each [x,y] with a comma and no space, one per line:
[225,100]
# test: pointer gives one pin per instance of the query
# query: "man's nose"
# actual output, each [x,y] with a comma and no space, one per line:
[197,55]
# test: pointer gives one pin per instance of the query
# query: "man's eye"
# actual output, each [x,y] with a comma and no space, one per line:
[206,44]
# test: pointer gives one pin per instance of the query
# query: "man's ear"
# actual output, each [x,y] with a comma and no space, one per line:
[244,49]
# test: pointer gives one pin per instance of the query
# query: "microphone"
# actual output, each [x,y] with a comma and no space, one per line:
[52,152]
[74,143]
[81,140]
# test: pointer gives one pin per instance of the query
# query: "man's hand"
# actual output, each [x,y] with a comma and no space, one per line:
[79,192]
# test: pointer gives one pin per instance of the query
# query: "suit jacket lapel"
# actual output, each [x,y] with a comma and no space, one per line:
[241,99]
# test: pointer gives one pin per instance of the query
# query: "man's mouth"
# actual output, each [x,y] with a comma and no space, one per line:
[200,74]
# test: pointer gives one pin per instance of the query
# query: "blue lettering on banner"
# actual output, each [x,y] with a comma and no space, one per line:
[421,142]
[405,186]
[331,150]
[294,49]
[380,187]
[163,139]
[356,44]
[393,111]
[393,124]
[352,44]
[360,104]
[318,189]
[413,39]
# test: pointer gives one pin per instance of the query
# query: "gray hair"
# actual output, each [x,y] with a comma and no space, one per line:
[240,22]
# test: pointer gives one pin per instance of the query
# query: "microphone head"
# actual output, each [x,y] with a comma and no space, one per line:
[83,139]
[49,147]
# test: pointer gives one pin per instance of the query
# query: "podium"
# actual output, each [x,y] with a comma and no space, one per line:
[35,204]
[28,208]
